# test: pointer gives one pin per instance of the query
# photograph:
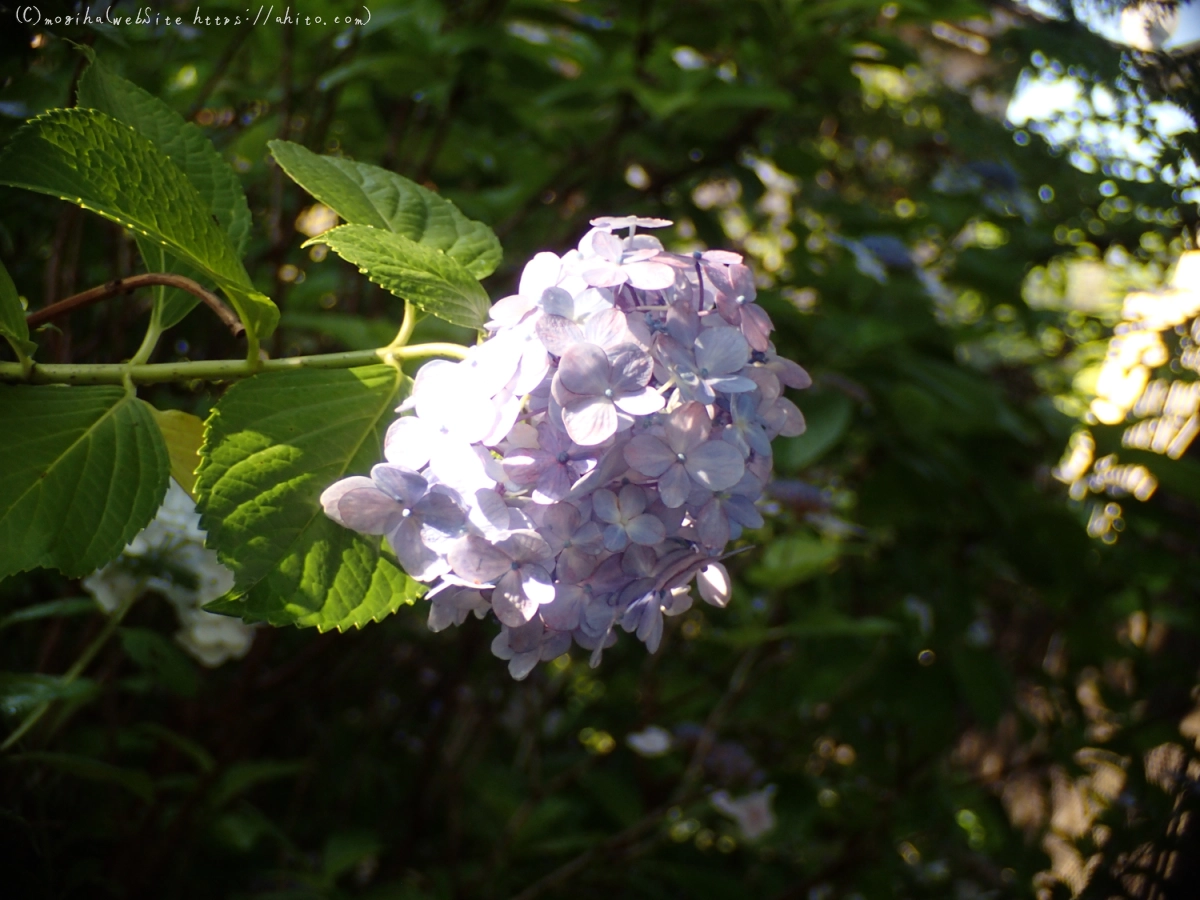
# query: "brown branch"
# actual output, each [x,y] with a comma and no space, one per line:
[132,283]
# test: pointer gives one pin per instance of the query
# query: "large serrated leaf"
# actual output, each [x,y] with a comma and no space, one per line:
[82,470]
[273,443]
[185,145]
[182,434]
[425,277]
[12,317]
[90,159]
[363,194]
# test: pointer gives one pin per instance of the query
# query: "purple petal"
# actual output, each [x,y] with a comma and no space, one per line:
[645,402]
[743,511]
[712,526]
[632,368]
[525,547]
[675,484]
[607,329]
[590,421]
[721,351]
[731,384]
[650,276]
[566,611]
[477,561]
[646,529]
[756,326]
[557,302]
[601,273]
[537,584]
[525,466]
[584,369]
[648,455]
[438,510]
[632,501]
[575,563]
[540,273]
[415,558]
[408,442]
[615,538]
[716,465]
[687,427]
[369,511]
[607,246]
[399,482]
[512,605]
[604,506]
[333,494]
[558,334]
[554,484]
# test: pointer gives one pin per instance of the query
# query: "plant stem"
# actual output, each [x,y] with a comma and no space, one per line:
[218,369]
[407,324]
[75,671]
[125,285]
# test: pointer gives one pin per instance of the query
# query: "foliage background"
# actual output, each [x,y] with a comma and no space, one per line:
[956,690]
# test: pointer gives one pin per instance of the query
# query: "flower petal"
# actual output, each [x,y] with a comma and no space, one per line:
[675,484]
[584,369]
[399,482]
[646,530]
[716,465]
[478,561]
[721,351]
[715,585]
[512,605]
[590,421]
[407,442]
[645,402]
[418,560]
[604,506]
[333,494]
[649,455]
[650,275]
[558,333]
[368,511]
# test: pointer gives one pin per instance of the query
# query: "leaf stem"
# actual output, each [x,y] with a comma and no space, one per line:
[407,324]
[77,669]
[218,369]
[132,283]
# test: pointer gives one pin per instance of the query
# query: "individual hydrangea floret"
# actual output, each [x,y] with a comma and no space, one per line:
[168,557]
[590,460]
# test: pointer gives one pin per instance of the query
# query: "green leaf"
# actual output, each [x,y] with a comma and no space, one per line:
[22,692]
[794,559]
[241,777]
[70,606]
[162,660]
[13,327]
[82,470]
[136,782]
[185,145]
[273,443]
[427,278]
[92,160]
[181,141]
[201,757]
[182,434]
[828,416]
[355,332]
[368,195]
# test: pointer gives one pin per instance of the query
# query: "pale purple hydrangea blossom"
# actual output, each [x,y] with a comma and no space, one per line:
[591,459]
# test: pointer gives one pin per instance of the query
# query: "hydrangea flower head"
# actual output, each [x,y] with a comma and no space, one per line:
[590,461]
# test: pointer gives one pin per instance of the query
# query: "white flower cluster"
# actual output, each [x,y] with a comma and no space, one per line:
[169,557]
[596,454]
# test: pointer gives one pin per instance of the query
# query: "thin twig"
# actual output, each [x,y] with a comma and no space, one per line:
[132,283]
